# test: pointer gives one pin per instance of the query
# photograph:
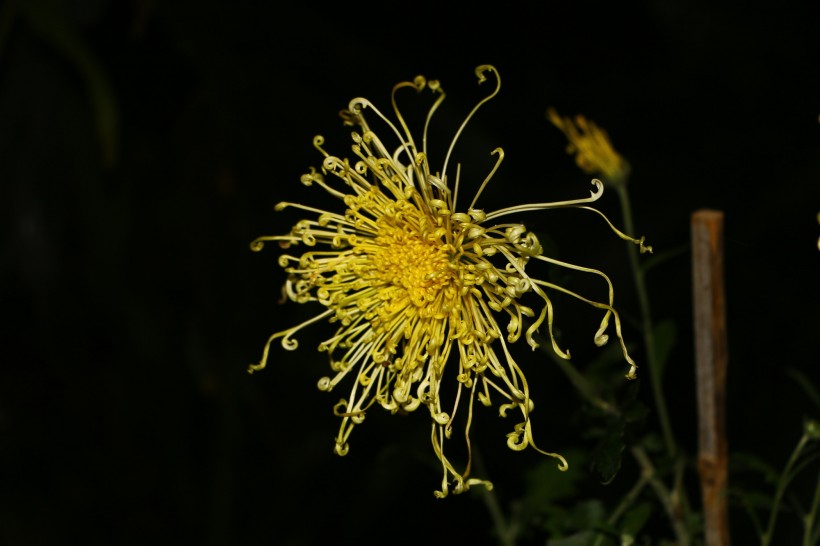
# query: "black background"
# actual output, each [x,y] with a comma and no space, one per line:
[132,304]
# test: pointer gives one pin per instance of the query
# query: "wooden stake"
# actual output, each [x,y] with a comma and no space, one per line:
[711,357]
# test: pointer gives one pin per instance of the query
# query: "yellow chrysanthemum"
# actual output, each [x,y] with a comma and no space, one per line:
[417,284]
[591,147]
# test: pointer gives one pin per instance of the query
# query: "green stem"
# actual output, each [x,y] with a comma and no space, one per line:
[666,496]
[625,503]
[583,386]
[810,538]
[669,499]
[646,320]
[505,531]
[505,536]
[679,509]
[785,477]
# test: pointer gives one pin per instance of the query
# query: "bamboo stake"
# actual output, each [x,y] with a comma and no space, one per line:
[711,357]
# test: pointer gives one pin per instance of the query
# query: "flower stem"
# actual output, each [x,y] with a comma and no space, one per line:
[810,538]
[646,321]
[504,530]
[625,503]
[785,477]
[667,497]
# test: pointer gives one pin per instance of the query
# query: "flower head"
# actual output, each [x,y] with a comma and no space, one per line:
[423,291]
[592,148]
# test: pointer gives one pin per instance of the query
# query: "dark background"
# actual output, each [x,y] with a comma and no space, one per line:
[144,143]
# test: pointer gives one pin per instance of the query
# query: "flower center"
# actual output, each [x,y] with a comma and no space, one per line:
[411,262]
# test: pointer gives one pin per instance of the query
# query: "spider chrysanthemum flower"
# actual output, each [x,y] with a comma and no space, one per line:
[592,148]
[419,284]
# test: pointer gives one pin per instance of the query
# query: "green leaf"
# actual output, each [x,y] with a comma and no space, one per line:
[584,538]
[742,461]
[589,514]
[666,335]
[635,413]
[589,518]
[754,499]
[606,456]
[545,485]
[635,518]
[48,19]
[806,384]
[658,258]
